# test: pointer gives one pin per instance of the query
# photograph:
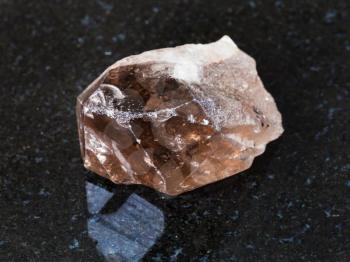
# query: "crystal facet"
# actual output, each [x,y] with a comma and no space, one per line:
[175,119]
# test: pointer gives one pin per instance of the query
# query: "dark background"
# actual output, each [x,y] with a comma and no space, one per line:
[292,205]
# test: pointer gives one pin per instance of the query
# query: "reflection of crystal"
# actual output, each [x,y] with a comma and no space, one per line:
[128,233]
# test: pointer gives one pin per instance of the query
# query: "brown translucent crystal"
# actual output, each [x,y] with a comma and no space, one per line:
[175,119]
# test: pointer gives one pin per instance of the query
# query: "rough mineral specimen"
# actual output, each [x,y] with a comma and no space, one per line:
[175,119]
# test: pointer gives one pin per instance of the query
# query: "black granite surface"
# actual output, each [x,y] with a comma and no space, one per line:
[292,205]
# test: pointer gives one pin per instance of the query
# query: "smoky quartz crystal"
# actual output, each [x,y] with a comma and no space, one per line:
[175,119]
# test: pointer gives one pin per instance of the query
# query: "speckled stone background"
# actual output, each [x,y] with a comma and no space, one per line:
[292,205]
